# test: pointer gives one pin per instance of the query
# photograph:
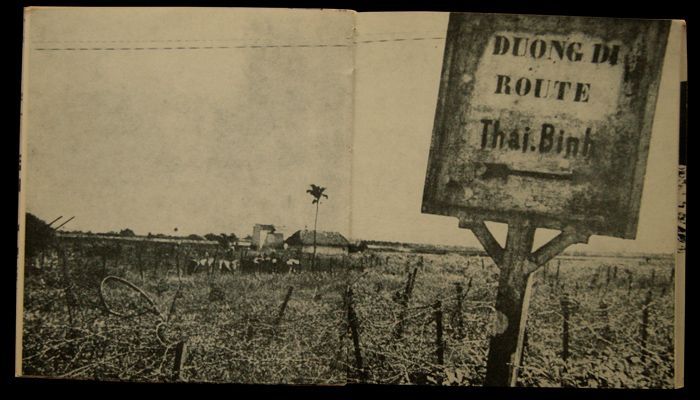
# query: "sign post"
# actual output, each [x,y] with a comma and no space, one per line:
[541,122]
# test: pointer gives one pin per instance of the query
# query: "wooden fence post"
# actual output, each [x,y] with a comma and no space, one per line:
[413,278]
[439,342]
[594,280]
[354,325]
[459,320]
[177,261]
[283,307]
[603,308]
[68,288]
[644,329]
[565,309]
[139,260]
[629,282]
[405,299]
[155,260]
[180,356]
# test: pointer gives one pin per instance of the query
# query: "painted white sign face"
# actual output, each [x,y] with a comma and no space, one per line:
[545,117]
[545,74]
[553,77]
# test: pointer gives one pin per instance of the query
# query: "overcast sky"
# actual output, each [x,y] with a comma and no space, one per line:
[205,140]
[397,87]
[215,140]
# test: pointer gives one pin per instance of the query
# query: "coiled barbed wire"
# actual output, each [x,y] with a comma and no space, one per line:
[164,318]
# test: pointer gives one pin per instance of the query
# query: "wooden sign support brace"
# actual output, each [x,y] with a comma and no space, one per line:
[517,262]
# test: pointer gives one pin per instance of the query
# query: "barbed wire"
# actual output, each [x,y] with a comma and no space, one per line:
[416,311]
[164,318]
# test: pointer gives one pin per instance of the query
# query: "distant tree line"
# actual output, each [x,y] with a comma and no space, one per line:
[225,239]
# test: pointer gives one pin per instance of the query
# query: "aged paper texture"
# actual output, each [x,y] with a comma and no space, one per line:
[328,197]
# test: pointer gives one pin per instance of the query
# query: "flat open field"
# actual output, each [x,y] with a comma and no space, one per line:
[249,326]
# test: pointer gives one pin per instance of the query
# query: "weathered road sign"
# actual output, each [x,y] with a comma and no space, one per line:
[546,118]
[541,121]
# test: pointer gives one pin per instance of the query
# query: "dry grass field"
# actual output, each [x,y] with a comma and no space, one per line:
[257,326]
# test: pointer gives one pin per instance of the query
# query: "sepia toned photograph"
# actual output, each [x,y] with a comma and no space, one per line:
[331,197]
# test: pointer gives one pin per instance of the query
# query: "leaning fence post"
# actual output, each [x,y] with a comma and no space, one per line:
[180,356]
[283,307]
[405,298]
[355,332]
[439,342]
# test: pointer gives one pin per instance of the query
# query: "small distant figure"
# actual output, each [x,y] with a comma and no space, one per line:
[292,263]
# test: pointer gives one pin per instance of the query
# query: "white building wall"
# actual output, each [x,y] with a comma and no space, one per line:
[325,250]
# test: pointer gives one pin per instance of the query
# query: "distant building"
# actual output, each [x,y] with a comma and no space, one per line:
[244,243]
[327,243]
[274,241]
[266,237]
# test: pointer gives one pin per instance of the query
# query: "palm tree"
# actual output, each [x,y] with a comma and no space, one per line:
[316,192]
